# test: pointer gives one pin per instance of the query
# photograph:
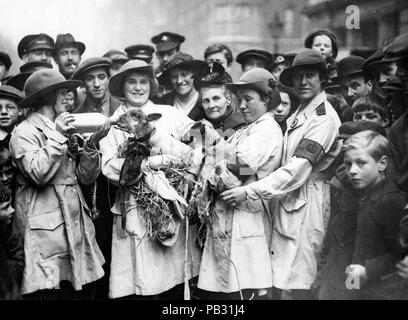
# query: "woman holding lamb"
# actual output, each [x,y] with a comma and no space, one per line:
[145,267]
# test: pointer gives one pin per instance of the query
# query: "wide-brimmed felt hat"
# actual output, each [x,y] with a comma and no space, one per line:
[351,66]
[33,42]
[180,60]
[255,52]
[6,59]
[257,79]
[91,63]
[166,41]
[116,81]
[42,82]
[140,52]
[26,70]
[377,58]
[116,55]
[11,92]
[306,58]
[398,47]
[325,32]
[66,41]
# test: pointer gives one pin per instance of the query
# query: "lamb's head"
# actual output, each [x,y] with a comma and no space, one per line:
[135,121]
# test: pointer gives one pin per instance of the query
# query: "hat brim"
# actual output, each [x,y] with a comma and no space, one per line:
[19,80]
[79,73]
[287,74]
[241,58]
[166,46]
[256,85]
[196,65]
[75,44]
[11,96]
[338,79]
[28,101]
[116,81]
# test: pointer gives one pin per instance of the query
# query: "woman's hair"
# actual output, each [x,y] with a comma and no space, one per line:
[47,99]
[371,102]
[271,96]
[154,88]
[294,101]
[375,144]
[219,47]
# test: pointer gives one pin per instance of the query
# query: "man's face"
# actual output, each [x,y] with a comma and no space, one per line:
[215,102]
[68,60]
[182,81]
[307,84]
[387,71]
[43,55]
[362,170]
[96,82]
[220,58]
[354,88]
[164,56]
[3,70]
[253,62]
[9,113]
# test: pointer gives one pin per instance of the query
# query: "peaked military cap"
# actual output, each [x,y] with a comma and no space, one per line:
[26,70]
[256,52]
[140,52]
[33,42]
[166,41]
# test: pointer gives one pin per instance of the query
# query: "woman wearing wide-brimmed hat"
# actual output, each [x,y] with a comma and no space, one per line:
[236,255]
[179,73]
[143,265]
[61,253]
[301,182]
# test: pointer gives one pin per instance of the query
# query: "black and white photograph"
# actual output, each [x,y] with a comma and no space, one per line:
[203,154]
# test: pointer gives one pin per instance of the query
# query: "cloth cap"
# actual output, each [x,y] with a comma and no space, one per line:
[254,52]
[11,92]
[397,47]
[91,63]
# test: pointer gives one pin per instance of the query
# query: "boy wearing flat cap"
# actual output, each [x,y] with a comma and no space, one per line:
[254,58]
[167,45]
[302,182]
[95,73]
[36,47]
[67,54]
[10,113]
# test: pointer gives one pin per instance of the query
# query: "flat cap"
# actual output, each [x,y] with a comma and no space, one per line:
[11,92]
[91,63]
[398,47]
[116,55]
[351,127]
[255,52]
[141,52]
[166,41]
[33,42]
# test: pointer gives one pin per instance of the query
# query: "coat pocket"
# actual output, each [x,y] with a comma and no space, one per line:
[290,218]
[48,233]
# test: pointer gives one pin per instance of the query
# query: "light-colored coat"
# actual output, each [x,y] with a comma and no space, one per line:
[304,205]
[237,253]
[59,236]
[142,265]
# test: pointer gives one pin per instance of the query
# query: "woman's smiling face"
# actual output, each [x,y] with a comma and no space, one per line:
[136,88]
[182,80]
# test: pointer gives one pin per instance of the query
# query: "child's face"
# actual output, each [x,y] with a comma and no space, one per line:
[281,112]
[9,113]
[362,170]
[369,115]
[7,175]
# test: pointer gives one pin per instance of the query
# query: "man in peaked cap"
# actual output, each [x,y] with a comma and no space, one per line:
[354,81]
[67,54]
[36,47]
[167,45]
[279,63]
[254,58]
[117,58]
[141,52]
[5,64]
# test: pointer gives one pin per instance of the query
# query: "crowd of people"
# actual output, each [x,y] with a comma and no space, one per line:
[288,183]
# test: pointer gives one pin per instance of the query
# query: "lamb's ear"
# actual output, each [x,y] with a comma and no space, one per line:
[153,116]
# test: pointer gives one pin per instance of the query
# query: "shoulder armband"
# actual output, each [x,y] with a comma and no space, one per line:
[310,150]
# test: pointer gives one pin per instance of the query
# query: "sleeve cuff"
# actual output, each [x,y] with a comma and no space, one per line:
[251,193]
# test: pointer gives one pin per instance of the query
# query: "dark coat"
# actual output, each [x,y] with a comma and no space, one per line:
[11,262]
[231,122]
[398,138]
[376,246]
[338,246]
[197,113]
